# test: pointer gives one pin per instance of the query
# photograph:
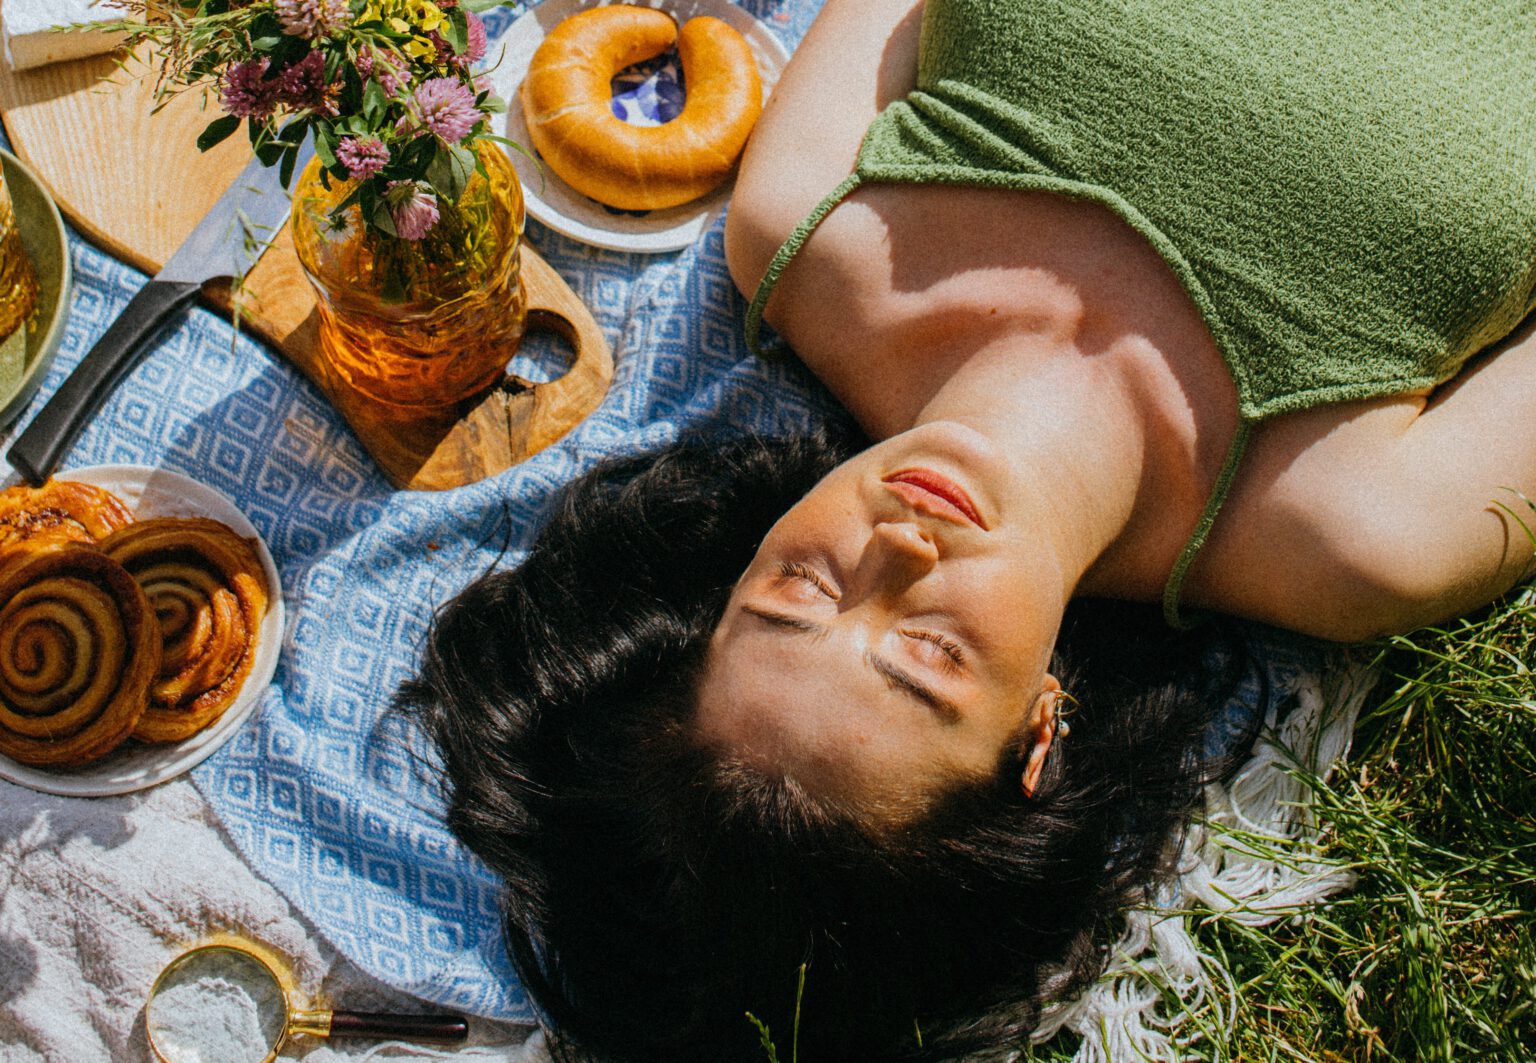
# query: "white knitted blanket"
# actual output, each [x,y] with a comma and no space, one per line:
[97,895]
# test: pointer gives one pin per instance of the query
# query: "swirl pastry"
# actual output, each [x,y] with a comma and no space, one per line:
[60,509]
[78,651]
[208,592]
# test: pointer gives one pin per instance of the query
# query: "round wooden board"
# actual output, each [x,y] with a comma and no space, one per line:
[131,179]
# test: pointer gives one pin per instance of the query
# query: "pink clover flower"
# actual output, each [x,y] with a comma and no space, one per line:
[412,207]
[446,108]
[362,156]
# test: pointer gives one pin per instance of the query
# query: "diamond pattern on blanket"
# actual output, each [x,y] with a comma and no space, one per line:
[322,793]
[325,795]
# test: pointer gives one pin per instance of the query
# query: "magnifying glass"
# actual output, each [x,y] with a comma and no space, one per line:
[223,1002]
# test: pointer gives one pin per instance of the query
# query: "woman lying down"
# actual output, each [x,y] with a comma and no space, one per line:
[1216,305]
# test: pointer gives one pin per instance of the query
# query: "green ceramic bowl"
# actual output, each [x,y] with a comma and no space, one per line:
[42,234]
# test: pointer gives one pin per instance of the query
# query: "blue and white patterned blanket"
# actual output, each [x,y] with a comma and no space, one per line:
[320,791]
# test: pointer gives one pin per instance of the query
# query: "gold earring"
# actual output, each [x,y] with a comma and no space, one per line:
[1061,726]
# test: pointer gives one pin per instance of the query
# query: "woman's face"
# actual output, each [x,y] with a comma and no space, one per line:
[891,636]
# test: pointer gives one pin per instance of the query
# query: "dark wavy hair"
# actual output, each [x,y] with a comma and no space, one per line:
[657,890]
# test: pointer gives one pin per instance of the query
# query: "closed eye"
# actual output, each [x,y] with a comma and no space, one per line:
[949,655]
[799,570]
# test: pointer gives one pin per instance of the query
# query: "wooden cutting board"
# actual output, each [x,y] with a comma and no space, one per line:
[133,182]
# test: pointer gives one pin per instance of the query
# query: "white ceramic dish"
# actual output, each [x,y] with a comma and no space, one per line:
[561,207]
[134,765]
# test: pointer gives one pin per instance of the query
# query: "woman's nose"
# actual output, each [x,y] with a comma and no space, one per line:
[900,551]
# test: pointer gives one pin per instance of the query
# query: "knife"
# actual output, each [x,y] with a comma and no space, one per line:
[226,243]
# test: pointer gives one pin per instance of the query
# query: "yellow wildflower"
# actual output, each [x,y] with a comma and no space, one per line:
[405,16]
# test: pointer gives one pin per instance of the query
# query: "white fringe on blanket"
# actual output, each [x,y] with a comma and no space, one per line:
[1252,859]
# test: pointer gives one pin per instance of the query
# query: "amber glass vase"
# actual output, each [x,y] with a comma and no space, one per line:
[424,322]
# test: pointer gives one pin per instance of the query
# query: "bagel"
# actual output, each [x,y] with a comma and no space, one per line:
[567,96]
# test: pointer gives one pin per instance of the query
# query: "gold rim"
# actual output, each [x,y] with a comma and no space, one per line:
[244,952]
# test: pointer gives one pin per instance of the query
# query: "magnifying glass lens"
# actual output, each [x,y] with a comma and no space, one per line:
[217,1005]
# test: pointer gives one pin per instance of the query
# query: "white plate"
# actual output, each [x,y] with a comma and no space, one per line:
[135,765]
[560,206]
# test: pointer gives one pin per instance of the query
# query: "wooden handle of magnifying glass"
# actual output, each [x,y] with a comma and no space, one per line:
[445,1028]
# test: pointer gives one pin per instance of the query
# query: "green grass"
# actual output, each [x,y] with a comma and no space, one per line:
[765,1036]
[1432,956]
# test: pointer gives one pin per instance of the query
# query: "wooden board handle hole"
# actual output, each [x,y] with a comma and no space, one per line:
[548,351]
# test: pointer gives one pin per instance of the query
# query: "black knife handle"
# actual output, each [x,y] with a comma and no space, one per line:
[37,450]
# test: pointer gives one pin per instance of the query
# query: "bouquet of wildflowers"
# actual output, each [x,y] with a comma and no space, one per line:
[384,86]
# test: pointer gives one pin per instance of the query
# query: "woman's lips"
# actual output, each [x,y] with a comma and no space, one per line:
[935,494]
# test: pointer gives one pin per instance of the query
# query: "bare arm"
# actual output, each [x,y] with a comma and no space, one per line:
[1368,519]
[857,57]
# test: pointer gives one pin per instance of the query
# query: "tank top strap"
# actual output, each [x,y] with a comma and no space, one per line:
[786,252]
[1175,585]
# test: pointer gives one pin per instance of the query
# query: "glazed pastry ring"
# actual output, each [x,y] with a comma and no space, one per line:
[566,103]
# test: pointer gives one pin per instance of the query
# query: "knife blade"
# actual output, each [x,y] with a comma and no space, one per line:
[226,242]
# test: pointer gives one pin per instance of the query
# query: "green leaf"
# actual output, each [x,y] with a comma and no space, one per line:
[450,170]
[217,131]
[381,219]
[417,156]
[294,132]
[351,101]
[478,6]
[266,24]
[269,152]
[290,158]
[375,100]
[323,149]
[266,44]
[457,31]
[285,53]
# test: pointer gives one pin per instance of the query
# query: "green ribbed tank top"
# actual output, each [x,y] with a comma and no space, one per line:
[1345,188]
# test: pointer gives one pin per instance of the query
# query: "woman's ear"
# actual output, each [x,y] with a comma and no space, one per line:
[1041,732]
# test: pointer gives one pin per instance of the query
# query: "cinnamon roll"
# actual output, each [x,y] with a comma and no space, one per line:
[208,591]
[79,648]
[60,509]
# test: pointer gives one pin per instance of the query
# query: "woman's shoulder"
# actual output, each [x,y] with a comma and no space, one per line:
[902,284]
